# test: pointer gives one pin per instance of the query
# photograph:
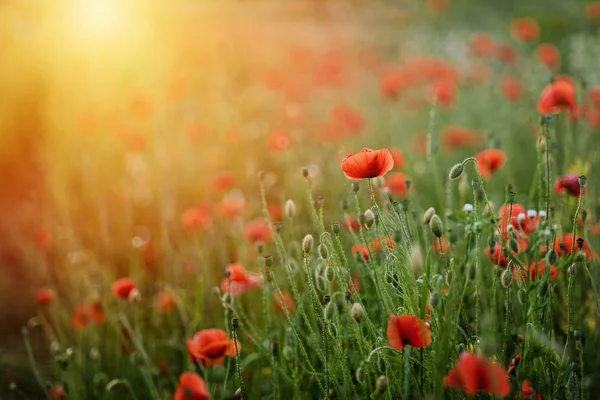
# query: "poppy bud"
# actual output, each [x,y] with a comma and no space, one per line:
[259,247]
[579,243]
[381,385]
[329,274]
[268,261]
[511,197]
[434,300]
[475,183]
[238,394]
[506,278]
[355,187]
[456,171]
[492,244]
[54,347]
[360,375]
[416,259]
[582,180]
[335,227]
[275,348]
[514,246]
[305,172]
[323,252]
[552,257]
[235,323]
[328,311]
[288,353]
[289,209]
[369,218]
[357,311]
[216,291]
[326,299]
[428,214]
[543,288]
[436,226]
[307,244]
[227,300]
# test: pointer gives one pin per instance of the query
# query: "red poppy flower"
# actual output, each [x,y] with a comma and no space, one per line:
[498,255]
[511,88]
[42,239]
[568,184]
[362,250]
[224,181]
[512,368]
[527,391]
[357,284]
[482,44]
[45,296]
[232,207]
[396,184]
[407,330]
[197,218]
[480,74]
[84,314]
[368,164]
[351,224]
[122,288]
[96,312]
[444,90]
[377,244]
[454,137]
[258,231]
[437,6]
[506,53]
[564,244]
[398,157]
[191,387]
[287,300]
[278,141]
[445,245]
[276,211]
[593,10]
[478,374]
[210,346]
[510,215]
[525,29]
[165,302]
[238,280]
[537,270]
[548,55]
[490,161]
[559,95]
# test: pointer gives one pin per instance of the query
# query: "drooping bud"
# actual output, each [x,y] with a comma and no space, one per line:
[456,171]
[307,244]
[369,218]
[360,375]
[323,252]
[381,385]
[289,209]
[436,226]
[506,278]
[428,214]
[358,312]
[572,269]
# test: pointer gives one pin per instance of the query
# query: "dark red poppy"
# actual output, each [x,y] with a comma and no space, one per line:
[258,231]
[568,184]
[287,300]
[490,161]
[191,387]
[238,280]
[511,88]
[210,346]
[564,244]
[593,10]
[351,224]
[559,95]
[475,374]
[45,296]
[123,287]
[398,157]
[482,44]
[165,302]
[527,391]
[548,55]
[368,164]
[525,29]
[361,250]
[407,330]
[280,140]
[396,184]
[197,218]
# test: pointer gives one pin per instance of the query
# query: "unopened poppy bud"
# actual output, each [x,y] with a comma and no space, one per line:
[307,244]
[492,244]
[305,172]
[416,259]
[329,274]
[397,207]
[582,180]
[326,299]
[509,188]
[345,204]
[355,187]
[436,226]
[235,323]
[531,214]
[514,246]
[134,296]
[506,278]
[362,218]
[227,300]
[323,252]
[369,218]
[580,256]
[397,236]
[357,311]
[328,311]
[260,247]
[216,291]
[288,353]
[268,261]
[407,184]
[360,375]
[552,257]
[434,300]
[543,288]
[475,182]
[335,227]
[579,243]
[381,385]
[456,171]
[275,349]
[428,214]
[511,197]
[289,209]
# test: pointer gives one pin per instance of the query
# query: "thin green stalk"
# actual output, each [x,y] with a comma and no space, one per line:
[237,359]
[32,363]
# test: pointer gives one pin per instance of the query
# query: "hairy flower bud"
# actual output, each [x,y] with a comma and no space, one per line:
[358,312]
[381,385]
[416,259]
[436,226]
[428,215]
[289,209]
[305,172]
[323,252]
[552,257]
[335,227]
[369,218]
[268,261]
[355,187]
[307,244]
[506,278]
[329,310]
[456,171]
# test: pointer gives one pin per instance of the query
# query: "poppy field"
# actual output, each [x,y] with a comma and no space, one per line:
[305,200]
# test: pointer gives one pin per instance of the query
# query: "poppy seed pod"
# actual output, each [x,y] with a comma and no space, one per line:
[506,278]
[436,226]
[235,323]
[307,244]
[358,312]
[456,171]
[381,385]
[369,218]
[582,180]
[323,252]
[289,209]
[428,215]
[355,187]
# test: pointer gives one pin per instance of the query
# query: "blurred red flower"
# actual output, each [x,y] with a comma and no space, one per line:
[559,95]
[351,224]
[593,10]
[398,157]
[42,239]
[480,73]
[122,287]
[224,181]
[564,244]
[568,184]
[445,92]
[490,161]
[525,29]
[548,55]
[191,387]
[57,392]
[454,137]
[84,314]
[349,120]
[407,330]
[45,296]
[396,184]
[378,243]
[197,218]
[511,88]
[482,44]
[258,231]
[280,140]
[527,391]
[368,164]
[437,6]
[210,346]
[232,207]
[238,280]
[362,250]
[506,53]
[165,302]
[287,300]
[475,374]
[537,270]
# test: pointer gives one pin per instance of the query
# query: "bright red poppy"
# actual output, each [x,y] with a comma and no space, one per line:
[258,231]
[197,218]
[378,243]
[525,29]
[287,300]
[511,88]
[210,346]
[224,181]
[357,284]
[396,184]
[361,250]
[559,95]
[165,302]
[482,44]
[548,55]
[351,224]
[398,156]
[475,374]
[280,140]
[45,296]
[368,164]
[191,387]
[445,245]
[568,184]
[564,244]
[123,287]
[238,280]
[276,210]
[527,391]
[407,330]
[509,215]
[490,161]
[84,314]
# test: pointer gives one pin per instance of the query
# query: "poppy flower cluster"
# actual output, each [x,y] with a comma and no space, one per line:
[537,270]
